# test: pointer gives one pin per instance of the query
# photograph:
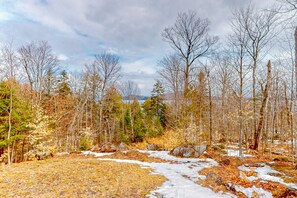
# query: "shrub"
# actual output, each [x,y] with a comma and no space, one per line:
[85,144]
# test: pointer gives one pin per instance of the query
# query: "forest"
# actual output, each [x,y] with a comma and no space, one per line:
[238,89]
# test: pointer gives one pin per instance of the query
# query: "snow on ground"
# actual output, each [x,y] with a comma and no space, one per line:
[233,146]
[235,153]
[165,156]
[96,154]
[264,174]
[182,174]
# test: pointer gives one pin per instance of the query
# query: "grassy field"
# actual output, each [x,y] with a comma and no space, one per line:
[76,176]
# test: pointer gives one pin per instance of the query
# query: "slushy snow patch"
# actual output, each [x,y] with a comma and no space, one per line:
[182,175]
[249,192]
[263,173]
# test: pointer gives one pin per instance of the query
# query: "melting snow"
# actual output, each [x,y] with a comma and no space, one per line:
[96,154]
[182,174]
[235,153]
[263,173]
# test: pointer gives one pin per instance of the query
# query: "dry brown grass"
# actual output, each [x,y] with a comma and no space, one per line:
[289,171]
[75,176]
[170,139]
[134,155]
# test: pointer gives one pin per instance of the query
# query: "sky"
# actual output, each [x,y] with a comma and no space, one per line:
[131,29]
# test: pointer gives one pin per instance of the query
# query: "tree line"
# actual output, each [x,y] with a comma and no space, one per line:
[209,90]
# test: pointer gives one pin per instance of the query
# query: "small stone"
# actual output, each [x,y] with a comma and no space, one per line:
[122,147]
[152,147]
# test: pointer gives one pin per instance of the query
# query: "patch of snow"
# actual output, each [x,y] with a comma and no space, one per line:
[62,153]
[233,146]
[182,174]
[290,142]
[263,173]
[235,153]
[165,156]
[249,192]
[95,153]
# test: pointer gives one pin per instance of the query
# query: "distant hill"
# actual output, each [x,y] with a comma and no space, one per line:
[139,97]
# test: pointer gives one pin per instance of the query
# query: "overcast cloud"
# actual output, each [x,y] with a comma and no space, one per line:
[77,29]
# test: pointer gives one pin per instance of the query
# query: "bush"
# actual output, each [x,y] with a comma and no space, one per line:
[124,138]
[85,144]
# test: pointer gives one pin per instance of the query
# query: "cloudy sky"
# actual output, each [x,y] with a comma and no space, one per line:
[78,29]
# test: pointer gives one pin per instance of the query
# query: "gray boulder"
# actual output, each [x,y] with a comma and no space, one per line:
[152,147]
[199,150]
[108,148]
[188,150]
[122,147]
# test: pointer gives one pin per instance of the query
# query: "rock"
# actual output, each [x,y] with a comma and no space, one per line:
[152,147]
[122,147]
[43,156]
[95,149]
[199,150]
[213,177]
[159,195]
[219,180]
[257,165]
[176,151]
[108,148]
[188,151]
[230,186]
[225,161]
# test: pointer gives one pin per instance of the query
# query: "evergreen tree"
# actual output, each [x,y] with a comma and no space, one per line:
[20,117]
[157,100]
[63,88]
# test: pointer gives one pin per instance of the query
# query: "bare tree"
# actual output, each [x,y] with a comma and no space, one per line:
[37,59]
[189,37]
[129,89]
[171,72]
[108,68]
[288,6]
[259,26]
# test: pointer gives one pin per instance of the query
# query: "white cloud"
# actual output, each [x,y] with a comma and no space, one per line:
[140,67]
[62,57]
[129,28]
[4,16]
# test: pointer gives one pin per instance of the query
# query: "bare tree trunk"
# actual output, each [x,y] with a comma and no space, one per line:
[292,131]
[262,109]
[210,107]
[9,122]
